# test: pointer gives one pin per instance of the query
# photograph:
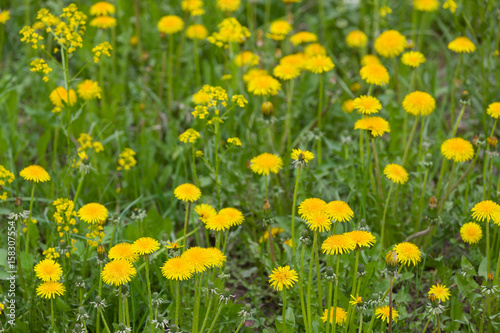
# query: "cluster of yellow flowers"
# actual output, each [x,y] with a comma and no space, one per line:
[51,253]
[86,143]
[6,177]
[64,217]
[190,135]
[101,49]
[230,31]
[40,66]
[126,160]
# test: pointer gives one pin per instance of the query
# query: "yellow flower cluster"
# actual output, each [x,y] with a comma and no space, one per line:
[200,111]
[88,90]
[64,217]
[101,49]
[240,100]
[234,141]
[6,177]
[190,135]
[40,66]
[51,253]
[86,143]
[210,96]
[230,31]
[126,160]
[4,16]
[30,36]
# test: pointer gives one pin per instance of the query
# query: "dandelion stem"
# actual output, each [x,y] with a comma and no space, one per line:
[240,325]
[104,321]
[186,220]
[421,201]
[193,161]
[178,302]
[360,321]
[447,192]
[294,203]
[320,296]
[390,306]
[383,219]
[120,310]
[301,288]
[361,152]
[169,71]
[215,318]
[329,305]
[28,222]
[335,292]
[320,105]
[284,310]
[196,63]
[410,139]
[149,295]
[377,168]
[79,188]
[453,88]
[309,283]
[428,321]
[196,302]
[488,259]
[52,313]
[216,148]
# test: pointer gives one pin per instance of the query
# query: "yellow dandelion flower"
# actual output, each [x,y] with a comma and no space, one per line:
[486,210]
[103,22]
[265,163]
[367,104]
[375,74]
[205,212]
[170,24]
[408,253]
[471,232]
[50,289]
[419,103]
[356,38]
[198,257]
[440,291]
[274,232]
[218,222]
[319,222]
[384,11]
[358,300]
[462,45]
[494,110]
[122,251]
[311,207]
[177,268]
[234,216]
[320,64]
[303,37]
[279,29]
[216,257]
[298,60]
[187,192]
[4,17]
[413,58]
[339,211]
[383,313]
[253,73]
[118,272]
[264,85]
[196,31]
[396,173]
[370,59]
[93,213]
[102,8]
[286,71]
[35,173]
[348,106]
[390,43]
[361,238]
[283,277]
[376,125]
[59,96]
[88,90]
[194,7]
[457,149]
[426,5]
[314,49]
[145,245]
[48,270]
[338,244]
[246,58]
[173,245]
[228,6]
[340,315]
[302,155]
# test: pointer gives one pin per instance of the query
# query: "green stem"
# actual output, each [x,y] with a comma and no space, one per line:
[104,321]
[52,314]
[421,201]
[457,123]
[216,144]
[293,209]
[455,76]
[215,319]
[186,220]
[328,306]
[318,277]
[301,289]
[495,281]
[377,168]
[28,221]
[178,302]
[284,310]
[320,106]
[383,219]
[360,321]
[79,188]
[447,192]
[335,292]
[149,296]
[408,143]
[169,71]
[425,327]
[361,152]
[197,302]
[309,283]
[196,63]
[488,259]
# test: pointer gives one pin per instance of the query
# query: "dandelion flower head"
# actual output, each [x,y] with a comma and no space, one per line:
[375,74]
[187,192]
[367,104]
[145,245]
[457,149]
[462,45]
[356,38]
[419,103]
[471,232]
[390,43]
[35,173]
[118,272]
[440,291]
[265,163]
[50,289]
[283,277]
[340,314]
[408,253]
[396,173]
[93,213]
[339,211]
[177,268]
[48,270]
[338,244]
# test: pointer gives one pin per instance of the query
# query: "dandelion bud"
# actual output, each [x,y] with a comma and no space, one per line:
[329,271]
[248,307]
[211,285]
[18,202]
[98,299]
[465,98]
[267,205]
[260,35]
[81,310]
[433,201]
[174,329]
[432,298]
[78,329]
[159,318]
[490,277]
[101,251]
[391,259]
[267,108]
[492,141]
